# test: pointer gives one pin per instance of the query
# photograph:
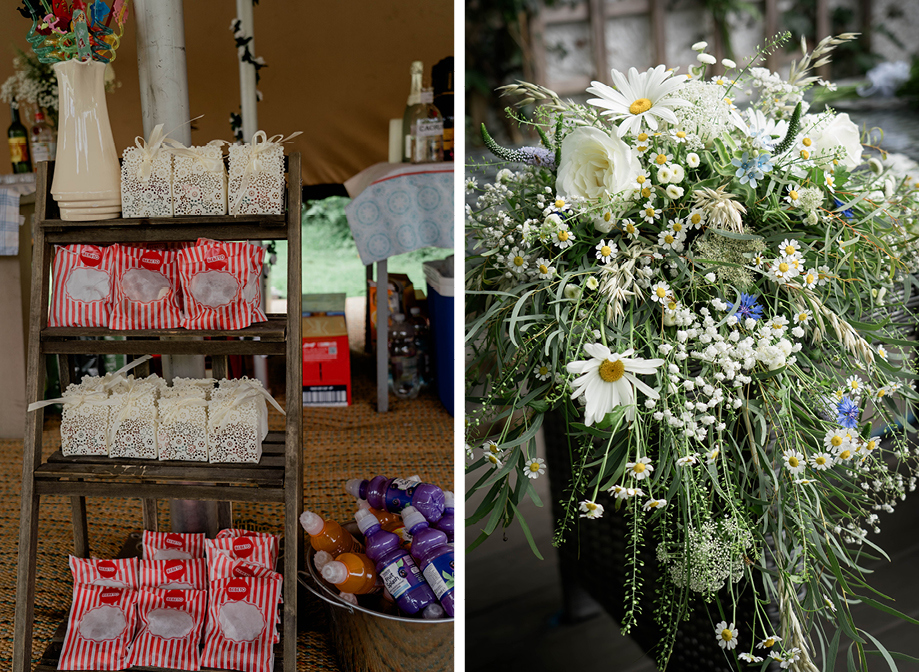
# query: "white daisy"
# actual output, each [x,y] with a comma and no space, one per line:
[670,241]
[641,99]
[654,504]
[790,248]
[543,371]
[693,160]
[768,642]
[696,219]
[608,380]
[641,469]
[749,657]
[783,270]
[823,275]
[792,197]
[803,316]
[822,461]
[490,447]
[591,509]
[794,461]
[844,453]
[562,237]
[676,225]
[649,214]
[712,455]
[835,440]
[687,461]
[661,159]
[882,352]
[535,467]
[544,270]
[854,386]
[726,635]
[643,179]
[630,229]
[605,251]
[678,137]
[516,261]
[829,182]
[810,279]
[494,460]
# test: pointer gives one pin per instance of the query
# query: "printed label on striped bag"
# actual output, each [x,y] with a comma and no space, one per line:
[240,631]
[252,291]
[146,289]
[107,573]
[213,278]
[81,291]
[173,574]
[261,550]
[100,629]
[172,545]
[170,629]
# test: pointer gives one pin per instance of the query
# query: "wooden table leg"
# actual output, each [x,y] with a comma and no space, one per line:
[382,334]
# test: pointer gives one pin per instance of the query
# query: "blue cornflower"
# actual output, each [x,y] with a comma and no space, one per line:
[847,413]
[747,308]
[848,213]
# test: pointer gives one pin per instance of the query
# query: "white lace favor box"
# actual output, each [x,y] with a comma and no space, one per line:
[132,430]
[199,180]
[257,176]
[182,424]
[85,418]
[146,178]
[238,420]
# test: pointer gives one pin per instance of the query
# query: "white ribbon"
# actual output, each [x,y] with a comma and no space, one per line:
[211,164]
[136,390]
[149,151]
[220,413]
[96,397]
[260,143]
[171,411]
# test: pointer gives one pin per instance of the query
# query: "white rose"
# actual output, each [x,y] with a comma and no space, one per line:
[841,131]
[594,164]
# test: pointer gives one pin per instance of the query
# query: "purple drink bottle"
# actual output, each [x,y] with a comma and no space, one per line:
[394,494]
[434,556]
[445,524]
[401,576]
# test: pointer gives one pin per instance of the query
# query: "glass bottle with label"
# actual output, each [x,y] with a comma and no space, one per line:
[44,141]
[403,359]
[427,130]
[18,137]
[414,100]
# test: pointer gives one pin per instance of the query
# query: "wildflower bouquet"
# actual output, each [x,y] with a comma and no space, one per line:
[715,300]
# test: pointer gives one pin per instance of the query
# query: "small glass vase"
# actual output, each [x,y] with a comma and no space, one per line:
[87,176]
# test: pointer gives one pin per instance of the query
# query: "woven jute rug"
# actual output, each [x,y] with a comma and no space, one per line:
[414,437]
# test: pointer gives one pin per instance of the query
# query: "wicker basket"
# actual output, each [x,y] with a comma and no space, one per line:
[592,562]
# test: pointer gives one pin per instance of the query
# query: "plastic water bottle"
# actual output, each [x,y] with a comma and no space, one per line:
[394,494]
[434,556]
[327,535]
[352,573]
[403,359]
[422,345]
[445,524]
[401,576]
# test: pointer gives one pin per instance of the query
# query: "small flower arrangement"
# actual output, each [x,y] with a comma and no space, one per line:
[714,300]
[33,83]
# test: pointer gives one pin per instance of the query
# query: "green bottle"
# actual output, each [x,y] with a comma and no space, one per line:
[18,138]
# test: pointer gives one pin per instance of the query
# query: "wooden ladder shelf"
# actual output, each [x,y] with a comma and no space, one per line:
[278,477]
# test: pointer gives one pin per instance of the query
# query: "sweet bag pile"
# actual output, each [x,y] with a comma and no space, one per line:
[192,420]
[208,284]
[152,612]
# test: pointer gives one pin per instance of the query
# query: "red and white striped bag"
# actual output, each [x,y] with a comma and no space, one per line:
[146,289]
[252,292]
[170,629]
[239,532]
[100,629]
[261,550]
[107,573]
[172,545]
[81,291]
[240,632]
[222,565]
[173,574]
[213,278]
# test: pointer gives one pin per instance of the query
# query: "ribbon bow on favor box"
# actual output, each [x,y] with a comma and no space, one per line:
[149,151]
[257,175]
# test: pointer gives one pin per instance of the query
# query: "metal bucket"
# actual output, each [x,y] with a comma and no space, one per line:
[370,641]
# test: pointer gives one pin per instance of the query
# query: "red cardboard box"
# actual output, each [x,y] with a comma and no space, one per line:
[326,361]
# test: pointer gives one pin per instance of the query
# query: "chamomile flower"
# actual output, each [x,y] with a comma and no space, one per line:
[790,248]
[677,136]
[823,275]
[544,270]
[712,455]
[822,461]
[562,237]
[661,159]
[810,279]
[494,460]
[749,657]
[535,467]
[670,241]
[693,160]
[630,228]
[783,270]
[882,352]
[829,182]
[676,225]
[649,213]
[696,219]
[677,173]
[490,447]
[854,385]
[640,469]
[642,99]
[793,196]
[828,602]
[794,461]
[803,316]
[471,184]
[652,504]
[844,454]
[835,440]
[769,642]
[591,509]
[726,635]
[516,261]
[642,180]
[674,192]
[606,251]
[660,292]
[687,461]
[543,371]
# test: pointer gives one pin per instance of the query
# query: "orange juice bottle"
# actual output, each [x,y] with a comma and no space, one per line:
[352,573]
[385,517]
[327,535]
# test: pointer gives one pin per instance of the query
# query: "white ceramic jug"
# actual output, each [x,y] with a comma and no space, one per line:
[87,177]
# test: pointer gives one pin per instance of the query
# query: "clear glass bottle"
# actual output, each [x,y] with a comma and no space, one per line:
[403,359]
[427,130]
[43,140]
[414,100]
